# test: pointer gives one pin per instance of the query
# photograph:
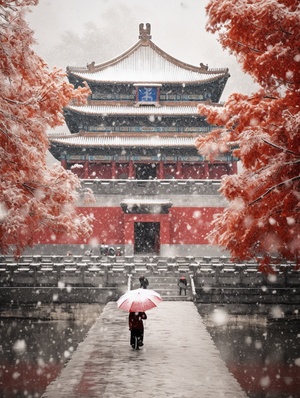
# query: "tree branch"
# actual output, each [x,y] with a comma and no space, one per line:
[246,46]
[272,189]
[279,147]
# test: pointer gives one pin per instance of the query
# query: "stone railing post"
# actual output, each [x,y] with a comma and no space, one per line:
[129,282]
[35,267]
[193,285]
[57,269]
[83,267]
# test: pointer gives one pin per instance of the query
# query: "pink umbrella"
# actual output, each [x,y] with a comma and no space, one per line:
[139,300]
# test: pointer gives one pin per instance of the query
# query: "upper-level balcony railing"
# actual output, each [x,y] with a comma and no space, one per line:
[152,187]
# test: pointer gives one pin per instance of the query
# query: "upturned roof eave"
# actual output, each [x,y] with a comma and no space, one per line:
[149,113]
[63,140]
[181,82]
[133,134]
[123,145]
[93,68]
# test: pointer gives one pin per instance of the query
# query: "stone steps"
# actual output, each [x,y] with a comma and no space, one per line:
[175,297]
[166,286]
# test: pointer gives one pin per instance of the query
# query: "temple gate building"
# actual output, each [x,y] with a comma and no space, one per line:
[133,144]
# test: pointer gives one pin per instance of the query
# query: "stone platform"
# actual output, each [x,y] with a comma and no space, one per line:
[179,359]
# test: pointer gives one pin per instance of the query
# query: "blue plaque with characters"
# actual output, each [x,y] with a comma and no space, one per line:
[147,94]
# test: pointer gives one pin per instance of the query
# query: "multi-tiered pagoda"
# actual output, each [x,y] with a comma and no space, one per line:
[133,143]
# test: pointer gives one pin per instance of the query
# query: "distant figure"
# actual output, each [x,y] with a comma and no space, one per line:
[111,251]
[136,327]
[182,284]
[104,250]
[143,282]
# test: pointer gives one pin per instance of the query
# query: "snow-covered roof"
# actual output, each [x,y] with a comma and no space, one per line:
[137,201]
[131,110]
[146,63]
[98,140]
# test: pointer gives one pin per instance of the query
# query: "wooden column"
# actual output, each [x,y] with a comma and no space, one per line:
[63,163]
[233,168]
[161,174]
[206,170]
[178,170]
[86,169]
[131,169]
[113,169]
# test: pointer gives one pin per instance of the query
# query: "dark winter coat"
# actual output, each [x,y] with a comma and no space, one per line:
[182,283]
[136,320]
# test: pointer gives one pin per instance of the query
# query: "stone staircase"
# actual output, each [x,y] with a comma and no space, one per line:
[166,286]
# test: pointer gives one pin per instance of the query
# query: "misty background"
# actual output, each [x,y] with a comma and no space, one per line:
[77,32]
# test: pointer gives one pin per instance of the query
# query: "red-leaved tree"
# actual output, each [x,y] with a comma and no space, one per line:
[263,216]
[32,196]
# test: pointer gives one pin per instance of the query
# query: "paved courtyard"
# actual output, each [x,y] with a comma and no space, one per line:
[178,359]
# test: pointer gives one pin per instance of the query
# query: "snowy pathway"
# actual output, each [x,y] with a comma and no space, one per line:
[178,359]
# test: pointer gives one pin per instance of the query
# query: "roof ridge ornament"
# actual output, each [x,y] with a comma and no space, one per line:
[91,67]
[203,67]
[145,32]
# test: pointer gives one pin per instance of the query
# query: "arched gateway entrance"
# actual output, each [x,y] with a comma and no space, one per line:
[147,226]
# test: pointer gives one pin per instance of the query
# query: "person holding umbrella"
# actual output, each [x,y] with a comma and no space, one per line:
[136,327]
[136,302]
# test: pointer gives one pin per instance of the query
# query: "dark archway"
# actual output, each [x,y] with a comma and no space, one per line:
[146,237]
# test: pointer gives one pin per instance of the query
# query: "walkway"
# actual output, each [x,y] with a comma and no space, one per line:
[178,360]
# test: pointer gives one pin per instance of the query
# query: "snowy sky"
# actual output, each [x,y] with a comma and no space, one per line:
[177,26]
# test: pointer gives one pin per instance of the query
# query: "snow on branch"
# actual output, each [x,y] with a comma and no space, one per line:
[286,182]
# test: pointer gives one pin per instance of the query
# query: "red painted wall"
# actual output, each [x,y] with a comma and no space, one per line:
[101,171]
[170,171]
[186,226]
[216,171]
[190,225]
[122,170]
[180,170]
[192,171]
